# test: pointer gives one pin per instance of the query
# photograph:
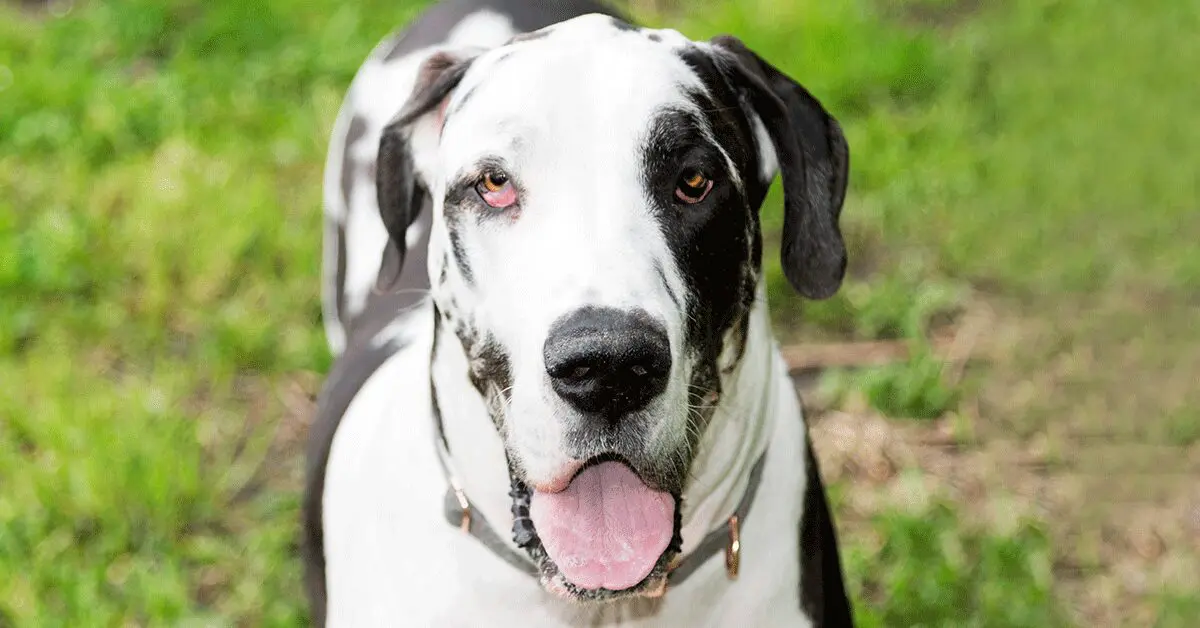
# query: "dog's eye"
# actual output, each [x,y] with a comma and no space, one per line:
[496,190]
[692,186]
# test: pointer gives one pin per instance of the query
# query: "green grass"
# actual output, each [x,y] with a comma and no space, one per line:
[930,571]
[1178,610]
[912,389]
[159,260]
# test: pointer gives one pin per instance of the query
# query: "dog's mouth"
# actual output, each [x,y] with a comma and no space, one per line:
[607,535]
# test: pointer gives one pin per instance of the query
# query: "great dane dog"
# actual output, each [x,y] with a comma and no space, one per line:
[557,399]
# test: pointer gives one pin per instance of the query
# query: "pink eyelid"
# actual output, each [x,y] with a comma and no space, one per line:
[692,200]
[505,197]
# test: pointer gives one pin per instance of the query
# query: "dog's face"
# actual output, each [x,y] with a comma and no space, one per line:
[596,251]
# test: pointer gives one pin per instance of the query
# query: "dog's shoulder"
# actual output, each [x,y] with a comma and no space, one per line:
[355,384]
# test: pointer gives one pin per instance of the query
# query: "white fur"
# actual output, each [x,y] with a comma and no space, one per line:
[377,92]
[393,560]
[585,236]
[569,125]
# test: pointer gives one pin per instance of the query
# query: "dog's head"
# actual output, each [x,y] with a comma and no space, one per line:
[596,250]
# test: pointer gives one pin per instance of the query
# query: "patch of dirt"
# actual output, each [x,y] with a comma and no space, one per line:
[1108,567]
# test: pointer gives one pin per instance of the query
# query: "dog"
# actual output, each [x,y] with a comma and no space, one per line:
[556,398]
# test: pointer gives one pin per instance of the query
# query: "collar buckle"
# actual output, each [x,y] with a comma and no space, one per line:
[465,507]
[733,550]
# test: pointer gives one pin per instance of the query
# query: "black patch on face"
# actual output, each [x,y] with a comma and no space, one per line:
[717,242]
[822,592]
[708,239]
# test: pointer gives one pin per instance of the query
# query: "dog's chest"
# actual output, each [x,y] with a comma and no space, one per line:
[391,554]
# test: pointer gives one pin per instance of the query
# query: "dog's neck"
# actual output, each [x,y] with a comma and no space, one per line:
[734,439]
[736,436]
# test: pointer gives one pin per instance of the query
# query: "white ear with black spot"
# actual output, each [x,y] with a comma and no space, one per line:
[407,150]
[813,160]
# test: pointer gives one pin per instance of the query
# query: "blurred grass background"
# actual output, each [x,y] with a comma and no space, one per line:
[1025,176]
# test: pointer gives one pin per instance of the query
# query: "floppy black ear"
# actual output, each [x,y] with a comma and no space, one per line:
[814,163]
[415,129]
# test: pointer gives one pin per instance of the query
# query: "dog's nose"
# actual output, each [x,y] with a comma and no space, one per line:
[606,361]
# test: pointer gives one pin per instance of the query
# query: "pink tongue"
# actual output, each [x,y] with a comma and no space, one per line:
[607,529]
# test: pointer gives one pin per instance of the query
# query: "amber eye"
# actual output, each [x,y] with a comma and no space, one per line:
[692,186]
[496,190]
[494,182]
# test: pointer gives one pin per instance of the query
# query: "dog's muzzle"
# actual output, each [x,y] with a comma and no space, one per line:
[669,570]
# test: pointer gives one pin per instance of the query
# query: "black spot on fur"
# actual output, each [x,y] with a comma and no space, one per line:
[432,26]
[622,25]
[822,592]
[491,370]
[655,37]
[662,278]
[354,133]
[340,294]
[460,254]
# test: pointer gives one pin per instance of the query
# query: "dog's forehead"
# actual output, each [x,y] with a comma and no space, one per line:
[590,71]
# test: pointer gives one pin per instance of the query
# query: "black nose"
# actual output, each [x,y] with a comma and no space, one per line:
[606,361]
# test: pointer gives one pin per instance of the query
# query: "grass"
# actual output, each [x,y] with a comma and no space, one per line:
[160,330]
[927,570]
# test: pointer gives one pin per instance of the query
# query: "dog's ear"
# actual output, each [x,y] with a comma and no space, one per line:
[406,151]
[814,162]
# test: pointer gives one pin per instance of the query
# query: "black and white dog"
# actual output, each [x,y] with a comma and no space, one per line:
[557,399]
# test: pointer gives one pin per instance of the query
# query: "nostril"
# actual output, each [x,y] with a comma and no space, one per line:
[580,372]
[639,370]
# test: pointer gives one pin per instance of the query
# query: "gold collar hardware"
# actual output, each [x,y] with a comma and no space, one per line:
[465,506]
[733,551]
